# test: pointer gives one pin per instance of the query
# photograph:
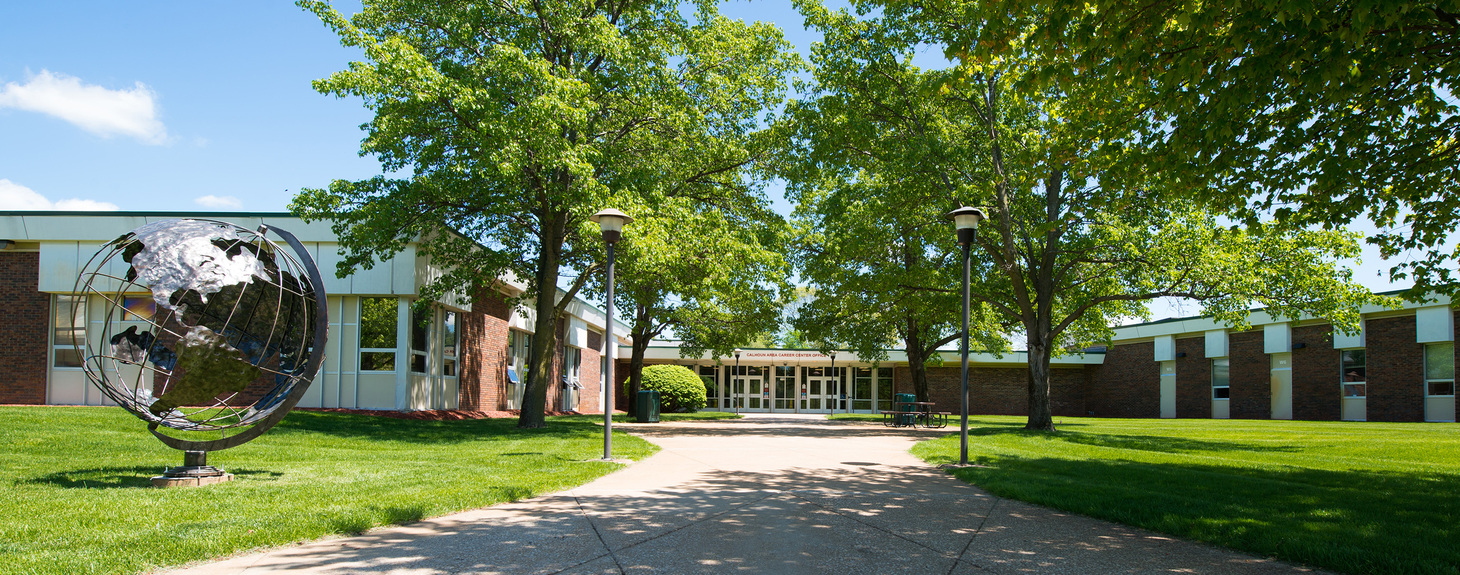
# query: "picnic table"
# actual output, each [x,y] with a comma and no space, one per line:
[914,414]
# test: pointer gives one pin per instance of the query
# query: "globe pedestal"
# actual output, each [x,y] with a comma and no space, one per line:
[195,472]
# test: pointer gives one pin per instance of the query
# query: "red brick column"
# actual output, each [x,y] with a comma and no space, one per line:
[1251,376]
[1128,384]
[482,353]
[1317,393]
[1193,379]
[24,333]
[1395,370]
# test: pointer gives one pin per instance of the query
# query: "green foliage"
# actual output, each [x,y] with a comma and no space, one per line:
[1359,497]
[679,388]
[78,497]
[1081,233]
[1318,112]
[504,126]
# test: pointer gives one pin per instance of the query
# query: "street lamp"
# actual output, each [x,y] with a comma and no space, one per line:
[735,401]
[966,219]
[837,396]
[611,223]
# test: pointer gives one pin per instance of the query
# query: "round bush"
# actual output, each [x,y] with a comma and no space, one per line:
[680,390]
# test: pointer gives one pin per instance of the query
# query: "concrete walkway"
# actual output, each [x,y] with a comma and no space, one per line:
[767,494]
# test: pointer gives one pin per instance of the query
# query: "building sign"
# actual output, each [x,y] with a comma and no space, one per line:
[776,356]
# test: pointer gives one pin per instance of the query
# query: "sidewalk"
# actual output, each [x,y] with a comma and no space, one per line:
[768,494]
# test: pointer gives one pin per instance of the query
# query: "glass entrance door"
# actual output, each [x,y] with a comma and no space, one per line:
[819,390]
[785,389]
[749,388]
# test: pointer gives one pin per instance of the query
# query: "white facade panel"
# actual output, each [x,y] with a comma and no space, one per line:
[1216,343]
[403,272]
[577,333]
[1345,341]
[1432,324]
[1277,338]
[1165,348]
[327,257]
[59,267]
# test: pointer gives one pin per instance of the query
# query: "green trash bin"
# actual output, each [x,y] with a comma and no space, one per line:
[646,407]
[904,402]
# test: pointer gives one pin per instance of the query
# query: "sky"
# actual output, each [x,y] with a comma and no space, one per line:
[207,106]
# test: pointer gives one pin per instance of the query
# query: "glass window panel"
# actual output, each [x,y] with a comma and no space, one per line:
[1221,375]
[68,357]
[66,326]
[418,363]
[377,361]
[1442,388]
[884,372]
[1222,392]
[448,368]
[448,333]
[1440,361]
[1355,390]
[420,327]
[377,322]
[138,308]
[862,388]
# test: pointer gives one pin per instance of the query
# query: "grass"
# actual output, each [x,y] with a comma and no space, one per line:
[77,495]
[1349,497]
[695,416]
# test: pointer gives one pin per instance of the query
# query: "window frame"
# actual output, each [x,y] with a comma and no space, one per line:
[1344,366]
[1227,384]
[394,336]
[1431,381]
[56,347]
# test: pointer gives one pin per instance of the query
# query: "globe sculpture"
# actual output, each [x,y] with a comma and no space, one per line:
[206,330]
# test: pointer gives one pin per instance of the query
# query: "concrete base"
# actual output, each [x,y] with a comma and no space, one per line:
[165,481]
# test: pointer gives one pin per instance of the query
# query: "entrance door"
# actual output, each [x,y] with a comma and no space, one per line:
[785,389]
[820,391]
[749,389]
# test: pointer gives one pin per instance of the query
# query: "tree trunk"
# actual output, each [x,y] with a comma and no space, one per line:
[917,361]
[545,338]
[1040,416]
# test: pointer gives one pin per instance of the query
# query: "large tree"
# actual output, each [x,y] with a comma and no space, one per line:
[1077,238]
[1317,112]
[502,126]
[709,273]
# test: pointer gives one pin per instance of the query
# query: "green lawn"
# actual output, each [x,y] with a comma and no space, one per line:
[1350,497]
[77,497]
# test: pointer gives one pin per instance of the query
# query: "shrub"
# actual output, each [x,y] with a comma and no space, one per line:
[679,388]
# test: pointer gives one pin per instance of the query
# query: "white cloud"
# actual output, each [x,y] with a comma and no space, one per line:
[14,196]
[95,109]
[219,202]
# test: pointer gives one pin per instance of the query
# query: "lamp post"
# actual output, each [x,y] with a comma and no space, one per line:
[966,219]
[611,223]
[735,401]
[837,396]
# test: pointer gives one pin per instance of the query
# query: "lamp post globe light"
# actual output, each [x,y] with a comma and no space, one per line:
[966,220]
[611,222]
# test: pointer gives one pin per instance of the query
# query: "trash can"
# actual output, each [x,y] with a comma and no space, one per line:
[646,408]
[904,402]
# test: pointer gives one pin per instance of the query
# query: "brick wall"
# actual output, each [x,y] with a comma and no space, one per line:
[1251,376]
[997,390]
[589,375]
[1395,370]
[1193,379]
[483,352]
[1128,384]
[1317,394]
[23,334]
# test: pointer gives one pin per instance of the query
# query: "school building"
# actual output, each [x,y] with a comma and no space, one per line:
[383,355]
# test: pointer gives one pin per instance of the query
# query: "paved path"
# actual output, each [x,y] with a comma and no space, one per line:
[768,494]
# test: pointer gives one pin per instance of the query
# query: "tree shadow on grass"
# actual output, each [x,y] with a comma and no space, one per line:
[1359,521]
[347,425]
[1156,443]
[126,477]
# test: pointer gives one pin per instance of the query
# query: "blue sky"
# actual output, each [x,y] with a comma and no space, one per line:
[169,105]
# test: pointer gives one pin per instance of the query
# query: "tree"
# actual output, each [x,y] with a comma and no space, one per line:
[708,272]
[1319,113]
[1076,237]
[503,126]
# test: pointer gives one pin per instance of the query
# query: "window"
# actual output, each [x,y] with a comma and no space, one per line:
[420,336]
[1221,379]
[884,388]
[712,391]
[377,333]
[518,344]
[572,365]
[862,388]
[1440,369]
[1351,371]
[448,344]
[68,330]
